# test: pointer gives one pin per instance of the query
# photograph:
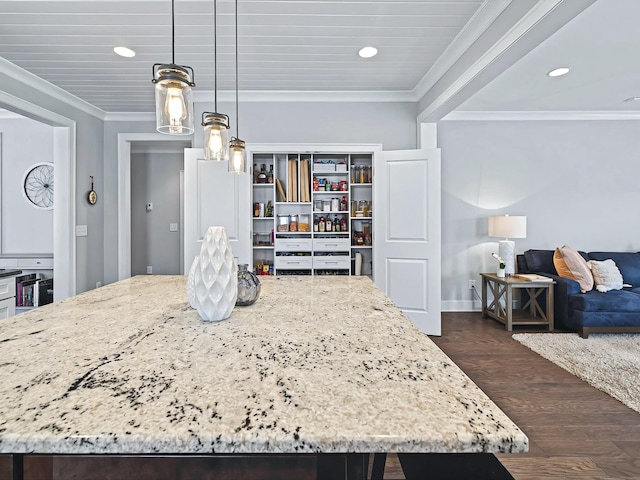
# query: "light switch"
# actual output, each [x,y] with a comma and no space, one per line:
[173,227]
[81,230]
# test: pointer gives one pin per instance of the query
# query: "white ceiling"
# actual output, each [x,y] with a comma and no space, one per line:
[427,49]
[600,46]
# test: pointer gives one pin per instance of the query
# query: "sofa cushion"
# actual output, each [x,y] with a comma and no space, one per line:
[606,275]
[628,264]
[578,267]
[613,301]
[540,261]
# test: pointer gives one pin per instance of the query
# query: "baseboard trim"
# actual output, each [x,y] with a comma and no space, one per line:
[461,306]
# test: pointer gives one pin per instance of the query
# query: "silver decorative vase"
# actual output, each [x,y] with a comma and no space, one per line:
[248,286]
[215,277]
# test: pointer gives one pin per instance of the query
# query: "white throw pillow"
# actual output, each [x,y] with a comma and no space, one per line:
[606,275]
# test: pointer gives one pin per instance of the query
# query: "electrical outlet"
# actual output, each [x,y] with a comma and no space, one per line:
[149,269]
[472,284]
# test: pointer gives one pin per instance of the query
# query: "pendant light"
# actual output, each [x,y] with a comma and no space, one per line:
[216,125]
[238,159]
[174,98]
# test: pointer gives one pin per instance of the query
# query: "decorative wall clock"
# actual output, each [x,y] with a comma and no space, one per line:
[38,185]
[92,196]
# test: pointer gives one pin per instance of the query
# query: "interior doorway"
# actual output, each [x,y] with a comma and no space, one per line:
[139,142]
[64,218]
[156,208]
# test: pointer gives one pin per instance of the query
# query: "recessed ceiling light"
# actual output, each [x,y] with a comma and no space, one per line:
[124,52]
[632,99]
[368,52]
[558,72]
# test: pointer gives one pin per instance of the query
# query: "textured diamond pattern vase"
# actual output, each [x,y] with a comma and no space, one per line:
[215,277]
[191,282]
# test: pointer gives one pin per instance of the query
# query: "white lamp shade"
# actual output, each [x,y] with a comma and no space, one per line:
[507,226]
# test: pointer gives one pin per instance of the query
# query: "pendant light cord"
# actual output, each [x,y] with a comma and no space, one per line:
[215,56]
[173,33]
[237,115]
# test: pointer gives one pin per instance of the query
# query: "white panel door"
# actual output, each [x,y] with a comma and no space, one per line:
[407,241]
[213,196]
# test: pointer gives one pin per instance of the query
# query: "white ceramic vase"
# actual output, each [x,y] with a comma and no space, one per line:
[215,277]
[191,282]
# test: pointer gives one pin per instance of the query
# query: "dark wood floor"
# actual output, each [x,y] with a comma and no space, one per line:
[575,431]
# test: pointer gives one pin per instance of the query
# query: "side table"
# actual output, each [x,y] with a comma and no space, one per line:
[501,306]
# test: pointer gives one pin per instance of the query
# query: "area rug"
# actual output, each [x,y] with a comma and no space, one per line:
[609,362]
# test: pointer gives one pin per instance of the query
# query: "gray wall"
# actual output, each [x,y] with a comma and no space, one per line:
[89,161]
[26,229]
[155,177]
[576,181]
[391,124]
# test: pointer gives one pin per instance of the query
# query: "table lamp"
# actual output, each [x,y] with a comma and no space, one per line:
[508,227]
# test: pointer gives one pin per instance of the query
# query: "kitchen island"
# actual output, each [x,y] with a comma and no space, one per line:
[316,365]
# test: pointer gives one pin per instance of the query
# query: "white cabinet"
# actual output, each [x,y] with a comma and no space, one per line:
[37,272]
[7,297]
[312,211]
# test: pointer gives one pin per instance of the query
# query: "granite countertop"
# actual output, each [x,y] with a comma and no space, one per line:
[318,364]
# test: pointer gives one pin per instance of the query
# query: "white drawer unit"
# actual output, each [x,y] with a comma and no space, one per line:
[293,262]
[331,262]
[293,245]
[35,263]
[331,244]
[7,287]
[8,262]
[8,307]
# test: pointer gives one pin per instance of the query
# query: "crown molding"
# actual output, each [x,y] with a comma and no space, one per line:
[541,115]
[477,25]
[23,76]
[284,96]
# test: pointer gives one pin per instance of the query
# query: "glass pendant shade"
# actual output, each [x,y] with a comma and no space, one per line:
[238,156]
[216,136]
[174,99]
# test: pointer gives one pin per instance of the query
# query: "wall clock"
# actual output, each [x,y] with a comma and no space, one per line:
[92,196]
[38,185]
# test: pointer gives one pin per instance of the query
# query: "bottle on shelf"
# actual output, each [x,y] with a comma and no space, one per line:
[255,173]
[328,224]
[270,175]
[343,224]
[262,176]
[321,224]
[336,224]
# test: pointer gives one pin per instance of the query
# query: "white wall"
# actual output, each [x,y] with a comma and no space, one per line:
[155,177]
[576,181]
[25,228]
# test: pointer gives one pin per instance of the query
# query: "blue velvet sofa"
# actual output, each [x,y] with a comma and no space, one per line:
[615,311]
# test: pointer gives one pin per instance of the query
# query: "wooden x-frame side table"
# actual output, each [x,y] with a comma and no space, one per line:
[501,306]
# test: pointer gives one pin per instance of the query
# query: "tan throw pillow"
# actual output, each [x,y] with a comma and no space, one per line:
[578,267]
[561,266]
[606,275]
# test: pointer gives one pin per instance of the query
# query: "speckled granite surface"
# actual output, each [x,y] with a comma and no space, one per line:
[318,364]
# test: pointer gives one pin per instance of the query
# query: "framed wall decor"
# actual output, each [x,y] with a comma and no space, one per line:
[37,185]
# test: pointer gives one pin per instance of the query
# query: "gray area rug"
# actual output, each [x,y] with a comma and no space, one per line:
[609,362]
